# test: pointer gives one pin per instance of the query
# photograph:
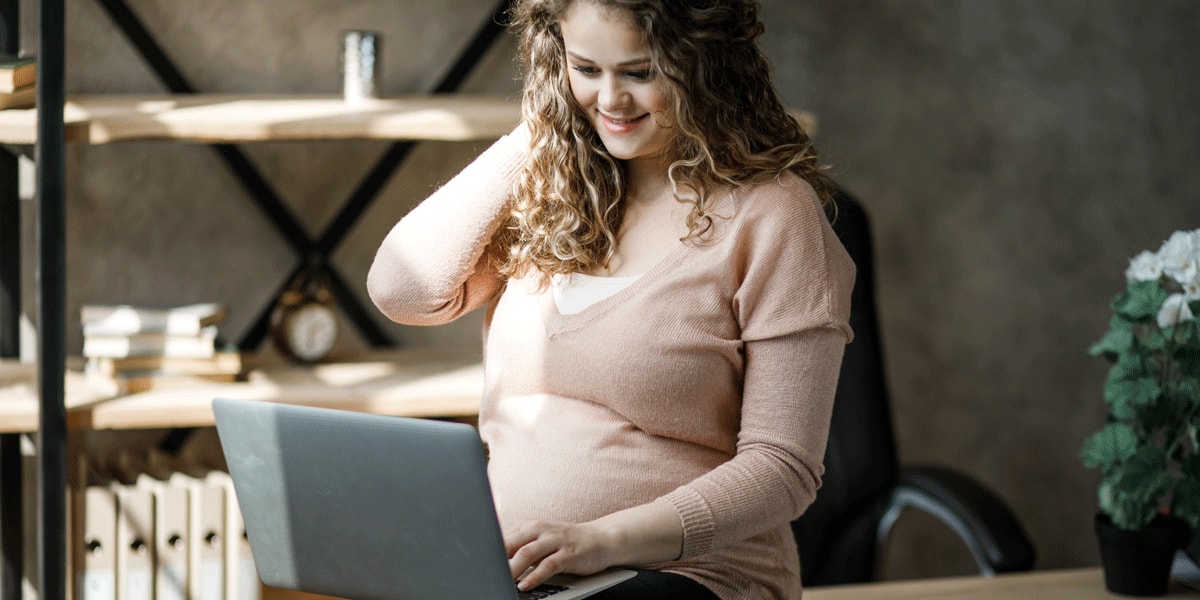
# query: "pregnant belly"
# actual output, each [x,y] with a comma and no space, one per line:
[576,461]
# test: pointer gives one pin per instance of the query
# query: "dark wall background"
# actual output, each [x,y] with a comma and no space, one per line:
[1013,154]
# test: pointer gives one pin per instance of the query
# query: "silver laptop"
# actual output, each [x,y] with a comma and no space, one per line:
[367,506]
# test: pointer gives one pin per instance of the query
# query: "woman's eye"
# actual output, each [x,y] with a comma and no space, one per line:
[640,75]
[586,70]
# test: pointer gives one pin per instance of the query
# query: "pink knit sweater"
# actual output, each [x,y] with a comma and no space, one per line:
[707,384]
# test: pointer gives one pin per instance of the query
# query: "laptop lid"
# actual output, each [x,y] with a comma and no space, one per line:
[366,506]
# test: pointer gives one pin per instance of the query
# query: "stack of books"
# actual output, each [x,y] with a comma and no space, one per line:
[139,348]
[18,81]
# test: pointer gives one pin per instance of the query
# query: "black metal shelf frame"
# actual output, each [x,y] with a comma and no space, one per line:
[12,513]
[313,253]
[49,154]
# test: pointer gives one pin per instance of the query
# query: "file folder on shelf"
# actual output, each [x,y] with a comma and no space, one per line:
[171,540]
[94,542]
[209,541]
[154,527]
[241,576]
[135,541]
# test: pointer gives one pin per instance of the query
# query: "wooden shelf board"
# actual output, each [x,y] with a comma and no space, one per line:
[407,383]
[210,118]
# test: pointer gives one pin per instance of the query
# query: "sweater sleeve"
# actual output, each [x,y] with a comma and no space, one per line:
[787,403]
[433,266]
[793,305]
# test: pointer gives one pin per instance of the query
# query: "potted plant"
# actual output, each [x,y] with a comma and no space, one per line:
[1149,449]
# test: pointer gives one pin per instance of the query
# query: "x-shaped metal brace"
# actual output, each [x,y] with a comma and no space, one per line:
[314,253]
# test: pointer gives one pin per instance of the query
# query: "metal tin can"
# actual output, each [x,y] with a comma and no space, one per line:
[360,65]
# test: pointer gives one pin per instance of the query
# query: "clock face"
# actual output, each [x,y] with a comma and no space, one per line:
[311,331]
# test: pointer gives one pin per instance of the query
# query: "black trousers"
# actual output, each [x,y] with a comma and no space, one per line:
[656,585]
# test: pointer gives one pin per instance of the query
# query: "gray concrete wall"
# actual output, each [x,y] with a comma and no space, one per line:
[1013,155]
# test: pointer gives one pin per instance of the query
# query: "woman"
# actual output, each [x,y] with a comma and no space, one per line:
[667,304]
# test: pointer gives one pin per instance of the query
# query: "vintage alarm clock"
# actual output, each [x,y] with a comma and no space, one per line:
[304,324]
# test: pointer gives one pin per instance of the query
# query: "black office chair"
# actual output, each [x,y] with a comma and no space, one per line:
[865,489]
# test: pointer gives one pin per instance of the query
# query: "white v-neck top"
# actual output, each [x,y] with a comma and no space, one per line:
[573,294]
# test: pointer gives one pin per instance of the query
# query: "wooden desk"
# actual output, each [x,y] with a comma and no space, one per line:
[1074,584]
[405,383]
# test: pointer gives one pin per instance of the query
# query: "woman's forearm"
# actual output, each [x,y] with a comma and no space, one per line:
[431,267]
[644,534]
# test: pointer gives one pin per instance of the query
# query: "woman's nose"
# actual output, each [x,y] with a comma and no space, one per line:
[613,95]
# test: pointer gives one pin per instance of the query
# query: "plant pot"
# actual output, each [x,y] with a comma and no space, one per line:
[1138,563]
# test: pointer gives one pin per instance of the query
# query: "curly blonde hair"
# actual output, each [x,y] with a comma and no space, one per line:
[731,129]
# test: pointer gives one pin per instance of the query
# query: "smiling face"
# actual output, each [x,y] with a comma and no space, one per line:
[613,81]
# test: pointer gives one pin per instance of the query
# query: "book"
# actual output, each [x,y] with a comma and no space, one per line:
[144,381]
[17,72]
[115,320]
[202,345]
[134,382]
[25,97]
[221,363]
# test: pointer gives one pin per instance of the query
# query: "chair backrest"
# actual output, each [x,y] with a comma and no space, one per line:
[836,535]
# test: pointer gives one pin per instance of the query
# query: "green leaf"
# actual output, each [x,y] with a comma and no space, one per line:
[1191,467]
[1110,446]
[1113,343]
[1118,322]
[1189,330]
[1156,341]
[1166,416]
[1126,511]
[1140,301]
[1187,361]
[1187,388]
[1131,384]
[1125,397]
[1144,475]
[1185,503]
[1133,489]
[1121,408]
[1132,366]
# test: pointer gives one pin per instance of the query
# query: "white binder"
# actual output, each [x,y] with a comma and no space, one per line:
[135,541]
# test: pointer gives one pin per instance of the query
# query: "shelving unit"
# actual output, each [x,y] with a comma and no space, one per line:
[219,121]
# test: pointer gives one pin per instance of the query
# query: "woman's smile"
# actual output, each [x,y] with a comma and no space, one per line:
[621,126]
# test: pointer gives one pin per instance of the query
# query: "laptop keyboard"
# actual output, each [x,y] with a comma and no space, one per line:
[542,591]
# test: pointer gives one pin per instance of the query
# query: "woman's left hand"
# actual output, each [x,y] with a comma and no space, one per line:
[549,548]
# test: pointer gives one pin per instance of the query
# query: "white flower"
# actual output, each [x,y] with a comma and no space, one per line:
[1192,290]
[1180,256]
[1174,311]
[1144,267]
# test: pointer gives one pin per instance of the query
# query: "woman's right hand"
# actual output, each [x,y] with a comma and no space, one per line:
[538,550]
